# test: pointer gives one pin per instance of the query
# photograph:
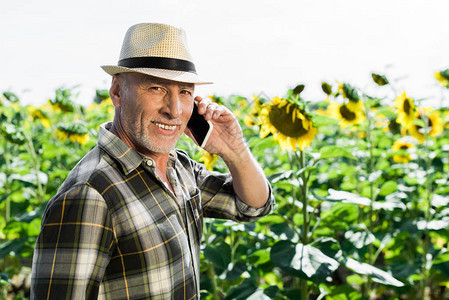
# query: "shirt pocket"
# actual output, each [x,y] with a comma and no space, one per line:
[194,214]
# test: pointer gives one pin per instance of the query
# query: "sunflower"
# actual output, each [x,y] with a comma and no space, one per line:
[401,146]
[75,132]
[240,105]
[443,77]
[434,123]
[395,128]
[251,119]
[347,115]
[406,110]
[104,106]
[39,114]
[209,160]
[62,101]
[348,92]
[289,124]
[216,99]
[445,114]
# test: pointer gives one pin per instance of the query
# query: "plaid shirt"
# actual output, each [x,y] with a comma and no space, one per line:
[115,231]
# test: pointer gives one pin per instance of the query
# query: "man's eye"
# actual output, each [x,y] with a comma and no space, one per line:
[186,92]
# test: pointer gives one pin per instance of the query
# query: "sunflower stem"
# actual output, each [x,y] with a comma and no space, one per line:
[427,212]
[369,139]
[306,221]
[210,266]
[36,166]
[8,172]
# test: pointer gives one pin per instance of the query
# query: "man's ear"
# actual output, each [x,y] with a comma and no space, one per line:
[115,92]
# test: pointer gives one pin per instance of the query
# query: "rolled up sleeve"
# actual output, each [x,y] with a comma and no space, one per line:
[219,199]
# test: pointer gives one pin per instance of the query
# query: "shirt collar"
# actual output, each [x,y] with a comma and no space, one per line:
[127,157]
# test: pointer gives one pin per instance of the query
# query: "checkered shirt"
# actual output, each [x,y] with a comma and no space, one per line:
[115,231]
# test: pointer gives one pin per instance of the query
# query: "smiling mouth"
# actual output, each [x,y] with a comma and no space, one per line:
[164,126]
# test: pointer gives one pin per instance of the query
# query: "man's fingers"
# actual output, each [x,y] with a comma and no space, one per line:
[202,104]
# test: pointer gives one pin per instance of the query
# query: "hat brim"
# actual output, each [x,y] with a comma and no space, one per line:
[179,76]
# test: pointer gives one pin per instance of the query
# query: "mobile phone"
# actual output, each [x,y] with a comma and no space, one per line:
[199,127]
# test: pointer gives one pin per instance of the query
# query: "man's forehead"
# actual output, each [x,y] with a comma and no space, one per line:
[148,79]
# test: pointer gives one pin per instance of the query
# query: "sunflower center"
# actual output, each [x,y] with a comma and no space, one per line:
[406,106]
[346,113]
[282,121]
[404,147]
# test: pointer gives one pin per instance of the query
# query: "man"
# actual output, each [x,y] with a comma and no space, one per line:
[127,222]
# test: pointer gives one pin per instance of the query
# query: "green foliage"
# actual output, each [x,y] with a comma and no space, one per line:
[381,80]
[355,217]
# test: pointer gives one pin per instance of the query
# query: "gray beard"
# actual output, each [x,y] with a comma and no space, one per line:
[154,146]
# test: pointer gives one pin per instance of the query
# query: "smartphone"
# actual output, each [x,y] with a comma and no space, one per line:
[199,127]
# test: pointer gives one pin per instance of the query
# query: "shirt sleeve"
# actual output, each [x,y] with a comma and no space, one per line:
[72,249]
[219,199]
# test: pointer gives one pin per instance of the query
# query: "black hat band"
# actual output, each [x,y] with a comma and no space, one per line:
[158,63]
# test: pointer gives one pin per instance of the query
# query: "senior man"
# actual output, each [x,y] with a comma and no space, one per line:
[127,222]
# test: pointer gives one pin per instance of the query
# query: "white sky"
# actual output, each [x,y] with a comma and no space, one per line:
[245,46]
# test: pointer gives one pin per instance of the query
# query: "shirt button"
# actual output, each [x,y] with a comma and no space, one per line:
[149,162]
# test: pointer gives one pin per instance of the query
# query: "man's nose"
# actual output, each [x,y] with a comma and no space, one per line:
[174,106]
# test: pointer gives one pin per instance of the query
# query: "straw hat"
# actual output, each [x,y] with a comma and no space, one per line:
[158,50]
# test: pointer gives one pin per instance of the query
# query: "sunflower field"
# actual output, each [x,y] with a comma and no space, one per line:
[361,185]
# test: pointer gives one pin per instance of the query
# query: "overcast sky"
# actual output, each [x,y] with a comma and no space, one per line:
[245,47]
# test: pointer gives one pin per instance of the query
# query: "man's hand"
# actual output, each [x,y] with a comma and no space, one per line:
[226,139]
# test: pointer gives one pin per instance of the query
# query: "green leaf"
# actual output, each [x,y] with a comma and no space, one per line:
[11,97]
[389,205]
[283,230]
[31,215]
[388,188]
[320,120]
[30,178]
[350,92]
[445,73]
[291,294]
[360,239]
[101,95]
[34,228]
[441,258]
[279,176]
[304,261]
[434,225]
[334,151]
[345,211]
[220,255]
[236,271]
[271,219]
[418,122]
[243,291]
[271,291]
[381,80]
[259,257]
[12,246]
[12,134]
[437,200]
[328,246]
[4,278]
[377,274]
[341,292]
[340,216]
[259,294]
[443,268]
[346,197]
